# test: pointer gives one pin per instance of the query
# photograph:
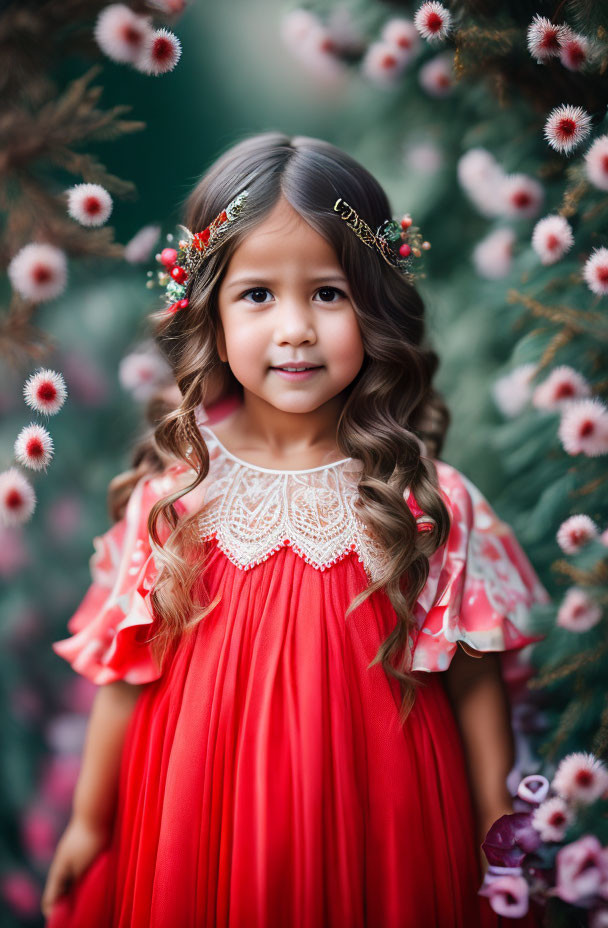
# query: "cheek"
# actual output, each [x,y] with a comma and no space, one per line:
[344,343]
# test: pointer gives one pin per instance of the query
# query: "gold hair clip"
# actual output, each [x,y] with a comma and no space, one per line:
[396,240]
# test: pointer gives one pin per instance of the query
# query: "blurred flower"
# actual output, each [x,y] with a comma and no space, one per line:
[583,428]
[492,256]
[58,779]
[170,7]
[598,918]
[142,372]
[566,127]
[577,613]
[88,381]
[403,35]
[433,21]
[63,517]
[120,33]
[533,788]
[34,447]
[543,38]
[596,163]
[14,554]
[425,157]
[574,533]
[139,249]
[89,204]
[580,777]
[161,50]
[382,63]
[38,272]
[312,43]
[39,832]
[595,271]
[45,391]
[580,871]
[345,35]
[21,892]
[552,818]
[437,75]
[296,26]
[522,196]
[480,176]
[552,238]
[17,497]
[507,895]
[563,385]
[511,393]
[65,734]
[573,49]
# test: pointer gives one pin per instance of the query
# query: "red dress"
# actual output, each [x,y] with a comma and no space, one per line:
[265,779]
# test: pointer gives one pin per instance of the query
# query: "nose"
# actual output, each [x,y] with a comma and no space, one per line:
[295,323]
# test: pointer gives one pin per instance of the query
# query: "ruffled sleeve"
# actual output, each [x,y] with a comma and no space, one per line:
[114,620]
[481,584]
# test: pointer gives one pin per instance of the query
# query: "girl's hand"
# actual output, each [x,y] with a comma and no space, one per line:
[79,845]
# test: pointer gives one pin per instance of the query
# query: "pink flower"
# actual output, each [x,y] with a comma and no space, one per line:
[20,892]
[39,272]
[121,33]
[297,26]
[552,238]
[508,895]
[533,788]
[34,447]
[89,204]
[543,38]
[596,163]
[63,517]
[595,271]
[573,49]
[344,34]
[551,819]
[58,779]
[580,777]
[139,248]
[39,832]
[45,391]
[578,613]
[160,53]
[169,7]
[511,393]
[576,532]
[566,127]
[579,871]
[492,255]
[315,46]
[425,157]
[583,428]
[17,497]
[563,385]
[383,64]
[480,176]
[14,554]
[522,196]
[604,537]
[433,21]
[437,75]
[142,372]
[402,35]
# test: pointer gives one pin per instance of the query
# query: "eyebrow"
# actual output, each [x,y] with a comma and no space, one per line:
[243,281]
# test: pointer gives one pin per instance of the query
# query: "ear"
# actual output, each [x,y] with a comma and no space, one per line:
[220,343]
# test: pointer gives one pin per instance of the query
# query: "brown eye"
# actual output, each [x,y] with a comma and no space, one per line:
[257,291]
[330,291]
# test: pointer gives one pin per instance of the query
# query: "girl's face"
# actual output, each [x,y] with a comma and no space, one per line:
[285,300]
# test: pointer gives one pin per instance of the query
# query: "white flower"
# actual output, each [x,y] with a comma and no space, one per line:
[140,247]
[39,272]
[574,533]
[552,238]
[89,204]
[17,497]
[522,196]
[382,64]
[578,612]
[480,176]
[45,391]
[160,53]
[533,788]
[142,372]
[433,21]
[563,385]
[566,127]
[492,256]
[574,50]
[121,33]
[583,428]
[511,393]
[403,36]
[551,819]
[34,447]
[580,777]
[437,75]
[425,157]
[596,163]
[296,26]
[595,271]
[543,38]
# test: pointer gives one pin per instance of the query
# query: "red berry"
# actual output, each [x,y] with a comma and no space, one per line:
[168,257]
[182,304]
[406,222]
[178,274]
[405,250]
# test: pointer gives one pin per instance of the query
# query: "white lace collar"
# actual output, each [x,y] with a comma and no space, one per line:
[254,511]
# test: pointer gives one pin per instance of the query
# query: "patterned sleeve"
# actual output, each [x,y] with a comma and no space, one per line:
[111,625]
[481,584]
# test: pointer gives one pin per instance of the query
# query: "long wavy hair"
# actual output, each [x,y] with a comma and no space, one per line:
[393,420]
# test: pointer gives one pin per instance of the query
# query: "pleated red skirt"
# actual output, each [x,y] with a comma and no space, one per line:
[266,781]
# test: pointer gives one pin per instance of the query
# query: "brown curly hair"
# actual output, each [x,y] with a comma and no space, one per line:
[393,420]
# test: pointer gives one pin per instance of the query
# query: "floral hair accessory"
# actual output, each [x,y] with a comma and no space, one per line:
[396,240]
[182,263]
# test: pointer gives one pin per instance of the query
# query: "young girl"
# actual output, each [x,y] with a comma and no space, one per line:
[295,625]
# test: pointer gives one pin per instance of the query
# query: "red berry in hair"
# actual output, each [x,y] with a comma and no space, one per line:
[405,250]
[178,274]
[168,257]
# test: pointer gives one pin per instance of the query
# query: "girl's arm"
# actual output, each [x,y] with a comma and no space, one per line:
[480,702]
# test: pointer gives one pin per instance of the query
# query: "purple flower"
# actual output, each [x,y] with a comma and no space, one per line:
[582,872]
[509,839]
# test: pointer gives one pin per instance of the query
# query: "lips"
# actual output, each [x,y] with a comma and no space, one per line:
[295,367]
